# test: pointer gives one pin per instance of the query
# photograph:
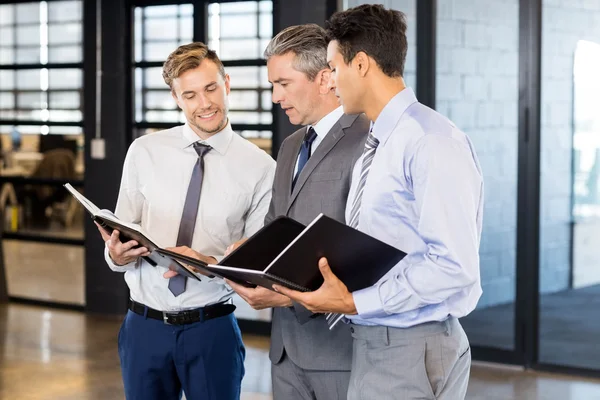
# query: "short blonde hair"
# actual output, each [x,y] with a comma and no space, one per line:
[187,57]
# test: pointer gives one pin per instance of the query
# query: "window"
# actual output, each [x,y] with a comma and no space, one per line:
[41,79]
[41,66]
[41,88]
[237,31]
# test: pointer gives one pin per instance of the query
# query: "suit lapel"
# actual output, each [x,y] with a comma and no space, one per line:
[333,136]
[288,167]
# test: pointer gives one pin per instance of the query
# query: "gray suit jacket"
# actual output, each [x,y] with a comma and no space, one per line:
[322,187]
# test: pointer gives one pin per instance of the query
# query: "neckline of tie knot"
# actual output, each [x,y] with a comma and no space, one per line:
[372,141]
[310,135]
[201,148]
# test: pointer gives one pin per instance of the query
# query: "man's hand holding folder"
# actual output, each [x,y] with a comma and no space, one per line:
[292,259]
[258,298]
[121,253]
[332,297]
[186,251]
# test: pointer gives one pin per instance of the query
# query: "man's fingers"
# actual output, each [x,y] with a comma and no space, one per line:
[240,289]
[103,233]
[247,299]
[114,237]
[135,253]
[233,285]
[292,294]
[326,270]
[183,250]
[299,297]
[170,274]
[128,245]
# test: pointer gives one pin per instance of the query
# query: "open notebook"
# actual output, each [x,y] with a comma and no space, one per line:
[287,253]
[127,231]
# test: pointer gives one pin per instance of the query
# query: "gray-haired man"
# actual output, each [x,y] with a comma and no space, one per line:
[313,176]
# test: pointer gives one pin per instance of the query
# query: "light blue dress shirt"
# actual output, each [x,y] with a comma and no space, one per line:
[423,195]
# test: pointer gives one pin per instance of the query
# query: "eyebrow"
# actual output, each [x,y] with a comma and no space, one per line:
[193,91]
[280,80]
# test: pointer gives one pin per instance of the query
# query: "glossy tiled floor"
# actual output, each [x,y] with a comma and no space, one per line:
[63,355]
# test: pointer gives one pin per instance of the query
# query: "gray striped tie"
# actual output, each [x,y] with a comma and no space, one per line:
[190,212]
[368,154]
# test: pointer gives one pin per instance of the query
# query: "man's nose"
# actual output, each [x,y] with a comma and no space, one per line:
[331,83]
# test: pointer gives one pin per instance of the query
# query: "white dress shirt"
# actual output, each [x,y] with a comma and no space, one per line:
[322,128]
[235,197]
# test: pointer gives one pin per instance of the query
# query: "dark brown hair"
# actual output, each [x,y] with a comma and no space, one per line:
[374,30]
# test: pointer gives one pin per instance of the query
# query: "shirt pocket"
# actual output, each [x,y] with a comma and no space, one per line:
[225,218]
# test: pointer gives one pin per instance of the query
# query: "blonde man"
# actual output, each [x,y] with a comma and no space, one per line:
[202,186]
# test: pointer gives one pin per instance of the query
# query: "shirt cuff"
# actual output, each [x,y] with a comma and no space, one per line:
[116,267]
[368,303]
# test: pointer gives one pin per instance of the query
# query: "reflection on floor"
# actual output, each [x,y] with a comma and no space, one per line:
[569,327]
[73,356]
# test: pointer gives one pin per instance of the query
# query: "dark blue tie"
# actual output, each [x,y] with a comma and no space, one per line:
[309,138]
[190,213]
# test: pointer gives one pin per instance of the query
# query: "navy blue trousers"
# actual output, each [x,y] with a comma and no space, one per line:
[204,359]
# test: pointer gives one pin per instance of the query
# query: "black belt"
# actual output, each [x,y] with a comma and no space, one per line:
[183,317]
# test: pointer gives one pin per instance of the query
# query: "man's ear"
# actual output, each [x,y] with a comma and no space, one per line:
[362,63]
[175,98]
[227,84]
[324,78]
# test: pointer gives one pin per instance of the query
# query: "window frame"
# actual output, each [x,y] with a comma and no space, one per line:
[200,33]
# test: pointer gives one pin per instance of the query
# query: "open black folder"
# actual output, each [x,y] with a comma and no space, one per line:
[287,253]
[109,222]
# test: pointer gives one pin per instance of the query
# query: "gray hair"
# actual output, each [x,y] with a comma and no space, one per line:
[308,42]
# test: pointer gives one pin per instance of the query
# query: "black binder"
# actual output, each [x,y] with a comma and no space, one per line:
[109,222]
[287,253]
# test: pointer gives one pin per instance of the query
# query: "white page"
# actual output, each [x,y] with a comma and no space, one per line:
[106,214]
[91,207]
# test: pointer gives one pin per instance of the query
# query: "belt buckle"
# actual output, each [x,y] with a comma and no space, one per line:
[166,318]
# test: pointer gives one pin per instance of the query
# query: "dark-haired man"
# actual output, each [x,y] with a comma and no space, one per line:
[418,187]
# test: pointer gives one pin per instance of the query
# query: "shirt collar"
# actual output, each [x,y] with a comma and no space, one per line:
[219,141]
[326,123]
[392,112]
